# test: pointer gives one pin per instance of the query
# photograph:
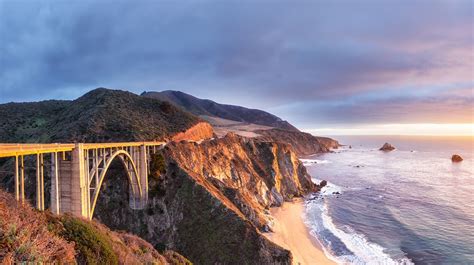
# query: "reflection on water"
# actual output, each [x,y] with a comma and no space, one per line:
[412,202]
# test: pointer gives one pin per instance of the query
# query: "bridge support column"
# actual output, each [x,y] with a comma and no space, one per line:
[55,197]
[79,199]
[17,179]
[40,182]
[143,172]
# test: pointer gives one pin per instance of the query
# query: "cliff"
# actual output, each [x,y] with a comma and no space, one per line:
[210,201]
[254,175]
[200,131]
[302,143]
[29,236]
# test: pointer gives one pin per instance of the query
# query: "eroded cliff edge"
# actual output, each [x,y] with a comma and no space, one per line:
[210,201]
[198,132]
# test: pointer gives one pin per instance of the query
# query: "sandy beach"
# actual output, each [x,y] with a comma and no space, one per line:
[290,232]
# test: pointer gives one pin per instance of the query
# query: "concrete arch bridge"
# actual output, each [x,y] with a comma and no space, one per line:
[78,170]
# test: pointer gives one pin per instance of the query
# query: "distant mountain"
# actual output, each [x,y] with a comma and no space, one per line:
[247,122]
[100,115]
[205,107]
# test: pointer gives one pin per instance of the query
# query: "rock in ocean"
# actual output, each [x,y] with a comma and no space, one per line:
[387,147]
[456,158]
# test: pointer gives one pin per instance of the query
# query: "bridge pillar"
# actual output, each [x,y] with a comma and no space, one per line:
[143,174]
[79,193]
[55,193]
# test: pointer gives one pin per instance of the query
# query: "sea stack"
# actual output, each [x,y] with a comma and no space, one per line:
[456,158]
[323,184]
[387,147]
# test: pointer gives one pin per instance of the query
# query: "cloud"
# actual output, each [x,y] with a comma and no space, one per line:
[262,54]
[418,107]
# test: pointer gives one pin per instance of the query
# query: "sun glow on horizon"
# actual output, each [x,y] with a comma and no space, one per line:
[429,129]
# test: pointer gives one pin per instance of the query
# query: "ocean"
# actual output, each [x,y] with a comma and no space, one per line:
[408,206]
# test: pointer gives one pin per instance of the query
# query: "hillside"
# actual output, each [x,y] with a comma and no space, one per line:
[100,115]
[32,237]
[205,107]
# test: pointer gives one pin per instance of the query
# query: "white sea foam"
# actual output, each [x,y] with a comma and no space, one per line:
[364,252]
[309,162]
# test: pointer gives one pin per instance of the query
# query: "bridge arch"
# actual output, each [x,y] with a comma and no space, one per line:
[132,174]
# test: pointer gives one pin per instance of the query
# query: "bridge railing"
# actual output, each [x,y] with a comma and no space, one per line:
[18,149]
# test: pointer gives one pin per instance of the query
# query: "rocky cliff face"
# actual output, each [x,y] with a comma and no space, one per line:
[302,143]
[254,175]
[200,131]
[209,201]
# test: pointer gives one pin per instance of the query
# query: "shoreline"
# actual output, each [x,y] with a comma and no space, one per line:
[290,232]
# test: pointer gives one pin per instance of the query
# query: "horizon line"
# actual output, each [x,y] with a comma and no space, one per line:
[397,129]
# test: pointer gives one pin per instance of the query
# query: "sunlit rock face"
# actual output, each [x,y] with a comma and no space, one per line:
[200,131]
[253,174]
[210,200]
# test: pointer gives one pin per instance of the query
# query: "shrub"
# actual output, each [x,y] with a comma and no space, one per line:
[94,247]
[157,165]
[24,237]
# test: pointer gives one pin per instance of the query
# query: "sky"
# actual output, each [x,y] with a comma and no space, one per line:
[330,67]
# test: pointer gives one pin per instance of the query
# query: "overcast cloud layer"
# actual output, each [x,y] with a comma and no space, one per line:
[315,63]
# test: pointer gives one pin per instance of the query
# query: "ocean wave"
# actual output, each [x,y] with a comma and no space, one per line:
[309,162]
[343,246]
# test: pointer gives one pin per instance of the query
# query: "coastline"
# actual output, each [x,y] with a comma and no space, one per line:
[290,232]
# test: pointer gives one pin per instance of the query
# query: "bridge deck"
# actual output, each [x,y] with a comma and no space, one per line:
[18,149]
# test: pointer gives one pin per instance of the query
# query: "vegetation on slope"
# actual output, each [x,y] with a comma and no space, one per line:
[30,236]
[94,247]
[101,115]
[24,236]
[207,107]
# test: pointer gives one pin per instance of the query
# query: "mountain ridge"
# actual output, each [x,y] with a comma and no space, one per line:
[208,107]
[101,115]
